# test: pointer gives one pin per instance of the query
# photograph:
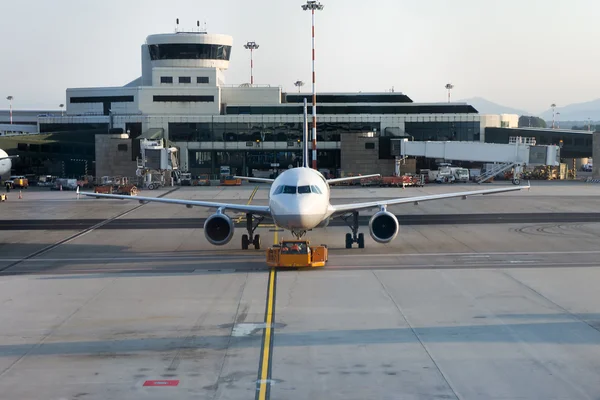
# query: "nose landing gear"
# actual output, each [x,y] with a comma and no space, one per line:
[354,237]
[251,225]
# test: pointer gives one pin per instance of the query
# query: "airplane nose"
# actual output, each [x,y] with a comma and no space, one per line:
[300,212]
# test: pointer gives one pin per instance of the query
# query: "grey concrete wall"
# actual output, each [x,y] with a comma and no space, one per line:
[596,156]
[110,161]
[356,159]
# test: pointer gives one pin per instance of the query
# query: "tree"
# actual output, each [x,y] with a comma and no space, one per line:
[526,121]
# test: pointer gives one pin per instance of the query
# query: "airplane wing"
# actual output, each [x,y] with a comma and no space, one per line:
[252,179]
[344,208]
[351,178]
[241,208]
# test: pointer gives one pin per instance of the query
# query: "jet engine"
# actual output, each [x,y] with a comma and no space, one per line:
[218,229]
[383,227]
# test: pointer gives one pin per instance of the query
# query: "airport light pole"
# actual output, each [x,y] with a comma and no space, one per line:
[61,110]
[298,84]
[558,120]
[251,46]
[449,88]
[313,5]
[553,114]
[10,99]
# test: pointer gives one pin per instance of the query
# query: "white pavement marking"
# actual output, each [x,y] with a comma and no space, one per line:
[246,329]
[151,257]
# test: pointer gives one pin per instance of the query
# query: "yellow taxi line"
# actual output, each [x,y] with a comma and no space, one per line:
[239,219]
[267,348]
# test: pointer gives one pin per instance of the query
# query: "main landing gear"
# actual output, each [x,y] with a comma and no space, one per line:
[251,225]
[354,237]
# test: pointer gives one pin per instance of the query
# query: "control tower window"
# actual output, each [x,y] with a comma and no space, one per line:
[166,79]
[202,79]
[189,51]
[185,79]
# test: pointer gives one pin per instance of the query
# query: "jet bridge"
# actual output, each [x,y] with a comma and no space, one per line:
[516,154]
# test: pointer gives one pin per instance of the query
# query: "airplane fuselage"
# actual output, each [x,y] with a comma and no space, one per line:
[299,199]
[5,165]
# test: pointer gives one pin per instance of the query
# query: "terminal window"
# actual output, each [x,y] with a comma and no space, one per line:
[166,79]
[202,79]
[185,79]
[369,146]
[183,99]
[122,147]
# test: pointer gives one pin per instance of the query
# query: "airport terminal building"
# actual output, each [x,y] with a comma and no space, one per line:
[182,97]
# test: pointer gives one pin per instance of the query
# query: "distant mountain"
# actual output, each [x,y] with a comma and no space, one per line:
[487,107]
[576,112]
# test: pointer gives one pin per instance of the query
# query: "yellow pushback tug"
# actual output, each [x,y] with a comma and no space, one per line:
[296,253]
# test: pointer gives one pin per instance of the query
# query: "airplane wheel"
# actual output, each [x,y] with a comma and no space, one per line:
[348,241]
[516,181]
[245,242]
[256,242]
[361,241]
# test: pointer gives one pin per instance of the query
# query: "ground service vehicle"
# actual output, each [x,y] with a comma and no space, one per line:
[461,175]
[296,253]
[186,179]
[231,181]
[204,180]
[18,182]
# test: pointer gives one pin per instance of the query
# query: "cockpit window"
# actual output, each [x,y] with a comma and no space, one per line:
[300,189]
[315,189]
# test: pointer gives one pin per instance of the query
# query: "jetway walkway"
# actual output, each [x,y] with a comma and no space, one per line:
[518,153]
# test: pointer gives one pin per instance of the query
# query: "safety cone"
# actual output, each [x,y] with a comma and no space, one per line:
[20,195]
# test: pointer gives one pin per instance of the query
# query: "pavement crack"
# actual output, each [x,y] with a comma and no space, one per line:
[416,334]
[229,339]
[54,328]
[186,343]
[577,317]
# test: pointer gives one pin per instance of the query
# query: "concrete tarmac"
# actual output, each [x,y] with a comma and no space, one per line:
[457,311]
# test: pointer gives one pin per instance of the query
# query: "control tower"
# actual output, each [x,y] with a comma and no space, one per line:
[168,56]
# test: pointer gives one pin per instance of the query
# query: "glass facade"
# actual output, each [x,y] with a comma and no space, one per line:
[189,51]
[184,99]
[202,161]
[354,109]
[98,127]
[575,144]
[350,98]
[464,131]
[290,132]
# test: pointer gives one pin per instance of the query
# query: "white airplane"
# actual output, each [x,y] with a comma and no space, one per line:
[5,163]
[299,201]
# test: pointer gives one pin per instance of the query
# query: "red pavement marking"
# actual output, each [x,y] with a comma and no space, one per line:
[162,383]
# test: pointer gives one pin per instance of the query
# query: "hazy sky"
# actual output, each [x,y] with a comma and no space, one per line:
[521,53]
